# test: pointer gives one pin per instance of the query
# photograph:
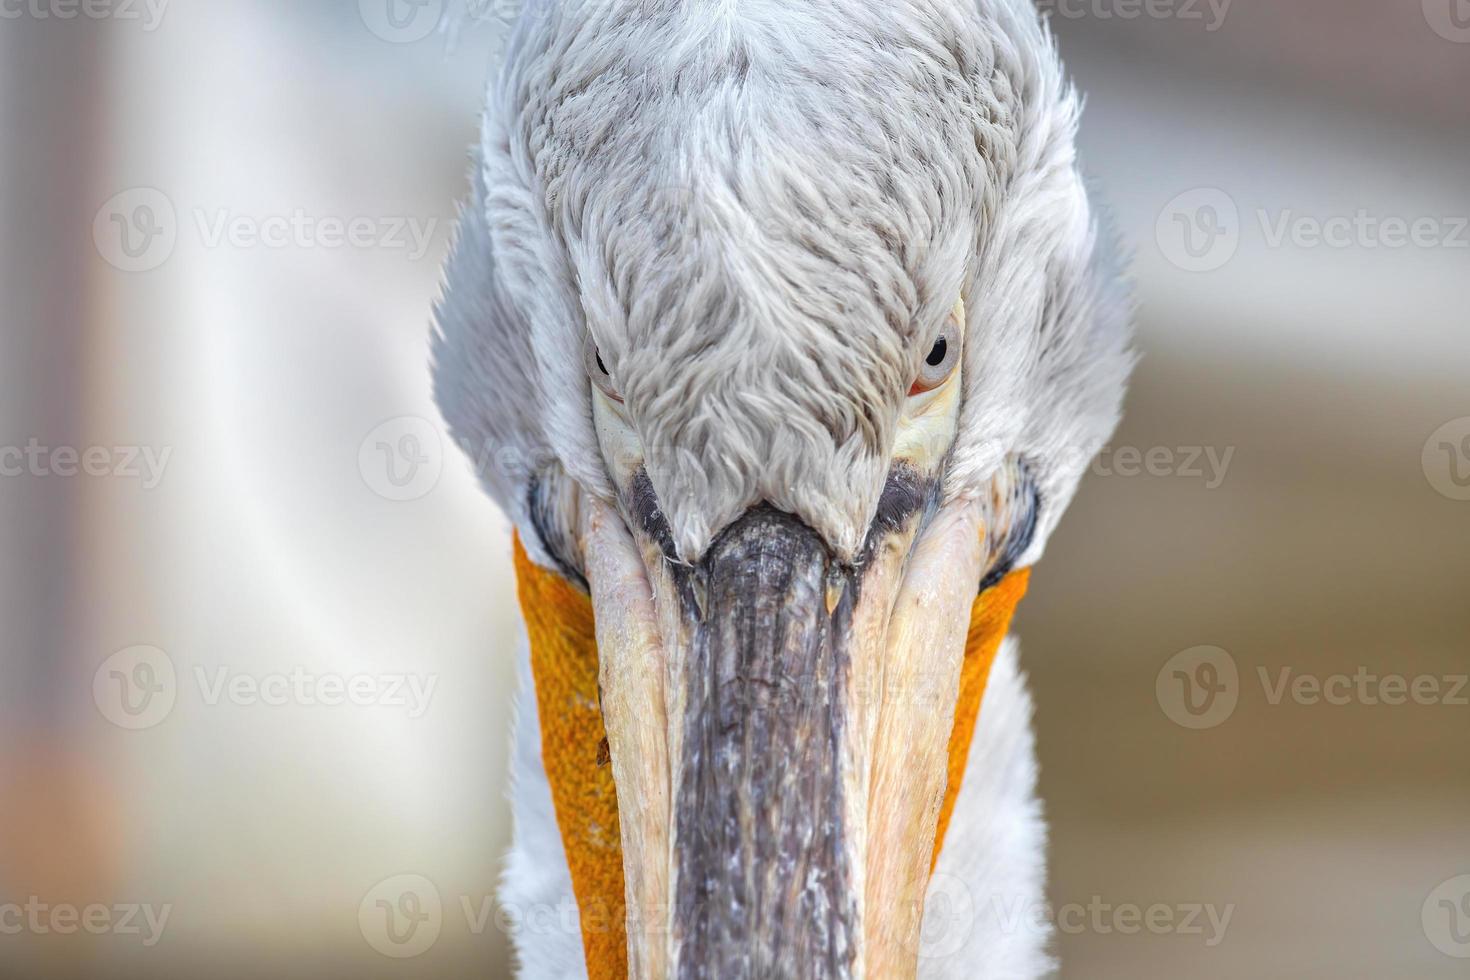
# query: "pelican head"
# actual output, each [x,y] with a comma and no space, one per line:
[781,333]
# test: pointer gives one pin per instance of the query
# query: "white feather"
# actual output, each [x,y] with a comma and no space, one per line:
[762,213]
[536,887]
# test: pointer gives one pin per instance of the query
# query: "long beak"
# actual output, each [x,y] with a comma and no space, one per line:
[778,726]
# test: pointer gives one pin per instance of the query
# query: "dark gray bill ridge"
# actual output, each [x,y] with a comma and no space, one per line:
[761,882]
[761,879]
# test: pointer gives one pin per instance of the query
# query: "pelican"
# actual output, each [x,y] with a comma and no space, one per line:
[782,332]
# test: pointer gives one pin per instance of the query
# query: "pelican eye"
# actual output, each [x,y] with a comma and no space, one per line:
[598,372]
[940,362]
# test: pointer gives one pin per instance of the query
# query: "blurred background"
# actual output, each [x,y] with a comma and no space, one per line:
[258,619]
